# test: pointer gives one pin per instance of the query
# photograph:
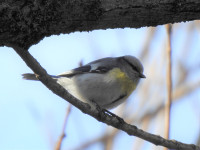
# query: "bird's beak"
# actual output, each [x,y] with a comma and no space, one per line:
[142,76]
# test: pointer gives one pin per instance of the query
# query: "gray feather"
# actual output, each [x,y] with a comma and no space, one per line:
[92,82]
[29,76]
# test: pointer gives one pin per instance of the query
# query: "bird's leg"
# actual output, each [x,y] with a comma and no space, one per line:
[103,112]
[113,115]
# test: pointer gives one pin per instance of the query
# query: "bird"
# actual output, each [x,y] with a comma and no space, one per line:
[106,82]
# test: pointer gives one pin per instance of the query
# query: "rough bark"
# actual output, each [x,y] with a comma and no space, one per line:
[25,22]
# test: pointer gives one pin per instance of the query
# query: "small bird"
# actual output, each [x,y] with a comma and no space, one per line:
[107,82]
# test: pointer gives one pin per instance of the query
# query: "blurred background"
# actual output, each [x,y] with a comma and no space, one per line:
[32,117]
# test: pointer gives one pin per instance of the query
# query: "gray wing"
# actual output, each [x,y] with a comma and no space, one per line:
[100,66]
[84,69]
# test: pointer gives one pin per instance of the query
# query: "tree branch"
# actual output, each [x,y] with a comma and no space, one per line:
[25,23]
[62,136]
[98,113]
[169,82]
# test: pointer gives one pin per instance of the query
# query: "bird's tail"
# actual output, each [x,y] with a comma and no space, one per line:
[29,76]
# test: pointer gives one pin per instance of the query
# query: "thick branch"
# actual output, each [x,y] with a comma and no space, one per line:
[25,23]
[98,113]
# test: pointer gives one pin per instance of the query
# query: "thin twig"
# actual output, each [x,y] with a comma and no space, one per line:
[169,83]
[62,136]
[100,139]
[147,42]
[178,93]
[98,113]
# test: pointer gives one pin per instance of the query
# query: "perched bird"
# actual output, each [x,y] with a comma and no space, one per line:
[107,81]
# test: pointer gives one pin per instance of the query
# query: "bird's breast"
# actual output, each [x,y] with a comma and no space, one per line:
[126,84]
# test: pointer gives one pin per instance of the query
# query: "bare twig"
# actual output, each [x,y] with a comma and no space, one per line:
[169,83]
[139,143]
[148,40]
[179,92]
[62,136]
[107,138]
[100,139]
[198,141]
[98,113]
